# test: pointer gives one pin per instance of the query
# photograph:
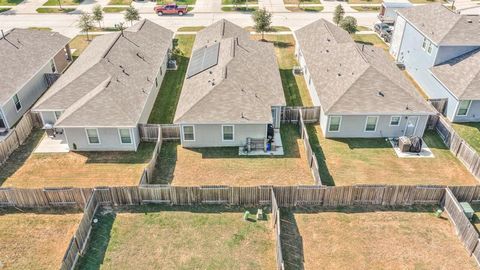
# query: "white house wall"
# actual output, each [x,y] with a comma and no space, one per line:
[210,135]
[109,140]
[397,36]
[473,114]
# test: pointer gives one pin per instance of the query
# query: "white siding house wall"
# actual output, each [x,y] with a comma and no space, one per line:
[397,36]
[109,140]
[307,76]
[210,135]
[473,114]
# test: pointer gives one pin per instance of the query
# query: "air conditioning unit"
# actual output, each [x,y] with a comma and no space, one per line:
[172,64]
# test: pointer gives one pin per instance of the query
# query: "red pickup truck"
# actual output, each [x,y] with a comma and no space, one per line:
[171,9]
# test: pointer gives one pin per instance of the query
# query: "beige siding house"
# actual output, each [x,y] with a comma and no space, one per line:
[359,89]
[111,88]
[28,57]
[232,90]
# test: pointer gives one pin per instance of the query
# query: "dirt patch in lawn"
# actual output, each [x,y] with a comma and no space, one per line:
[35,241]
[373,161]
[159,237]
[352,238]
[223,166]
[77,169]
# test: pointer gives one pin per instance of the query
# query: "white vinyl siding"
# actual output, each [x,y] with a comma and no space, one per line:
[334,123]
[463,107]
[371,123]
[227,133]
[125,135]
[92,136]
[188,133]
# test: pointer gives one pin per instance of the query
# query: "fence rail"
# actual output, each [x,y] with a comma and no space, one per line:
[311,157]
[150,132]
[18,135]
[276,227]
[292,114]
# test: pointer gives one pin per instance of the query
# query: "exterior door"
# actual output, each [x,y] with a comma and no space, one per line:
[411,126]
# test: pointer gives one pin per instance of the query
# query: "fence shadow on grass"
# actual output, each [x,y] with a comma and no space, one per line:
[165,166]
[99,240]
[292,241]
[20,155]
[327,178]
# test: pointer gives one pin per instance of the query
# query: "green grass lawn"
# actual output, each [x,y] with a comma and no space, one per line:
[164,237]
[363,28]
[79,44]
[304,9]
[370,39]
[239,9]
[166,103]
[470,132]
[114,9]
[352,161]
[272,29]
[4,9]
[179,2]
[190,28]
[366,8]
[230,2]
[64,2]
[296,2]
[365,1]
[54,10]
[10,2]
[120,2]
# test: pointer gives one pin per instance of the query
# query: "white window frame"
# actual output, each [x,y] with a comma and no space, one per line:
[120,135]
[425,43]
[183,133]
[233,133]
[468,108]
[15,103]
[399,120]
[366,123]
[429,49]
[88,138]
[339,123]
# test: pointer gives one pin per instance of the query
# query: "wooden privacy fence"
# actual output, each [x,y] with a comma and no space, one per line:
[276,228]
[18,135]
[464,228]
[150,168]
[311,157]
[150,132]
[286,196]
[459,147]
[79,241]
[292,114]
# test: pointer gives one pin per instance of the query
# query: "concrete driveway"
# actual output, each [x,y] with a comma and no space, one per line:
[272,5]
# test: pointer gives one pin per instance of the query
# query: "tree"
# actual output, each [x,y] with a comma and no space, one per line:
[97,15]
[85,23]
[349,24]
[263,20]
[338,14]
[131,14]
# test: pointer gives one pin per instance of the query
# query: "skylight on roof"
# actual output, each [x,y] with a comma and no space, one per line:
[203,59]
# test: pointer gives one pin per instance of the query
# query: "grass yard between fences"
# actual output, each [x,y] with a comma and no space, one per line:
[164,237]
[365,238]
[35,240]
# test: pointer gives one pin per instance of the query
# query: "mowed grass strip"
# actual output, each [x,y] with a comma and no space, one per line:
[372,238]
[163,237]
[370,39]
[79,43]
[64,2]
[166,103]
[223,165]
[351,161]
[54,10]
[35,240]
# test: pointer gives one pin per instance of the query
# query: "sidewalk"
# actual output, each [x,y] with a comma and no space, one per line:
[272,5]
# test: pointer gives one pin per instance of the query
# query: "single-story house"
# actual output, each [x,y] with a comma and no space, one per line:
[232,90]
[111,88]
[440,50]
[31,60]
[360,91]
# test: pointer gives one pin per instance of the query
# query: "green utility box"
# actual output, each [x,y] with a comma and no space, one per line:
[467,209]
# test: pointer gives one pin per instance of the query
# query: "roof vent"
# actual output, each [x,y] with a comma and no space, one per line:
[326,50]
[339,74]
[328,39]
[380,94]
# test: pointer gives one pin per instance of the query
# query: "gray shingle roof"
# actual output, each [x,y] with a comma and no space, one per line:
[443,26]
[355,79]
[241,88]
[109,83]
[461,75]
[23,52]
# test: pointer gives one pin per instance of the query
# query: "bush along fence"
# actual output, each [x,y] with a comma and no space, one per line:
[458,146]
[17,135]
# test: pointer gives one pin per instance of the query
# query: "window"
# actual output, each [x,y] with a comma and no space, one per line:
[395,121]
[52,65]
[463,107]
[16,100]
[371,124]
[92,136]
[57,114]
[425,43]
[429,48]
[335,122]
[156,83]
[227,132]
[188,133]
[125,136]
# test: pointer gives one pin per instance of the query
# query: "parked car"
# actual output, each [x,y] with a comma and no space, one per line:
[381,28]
[171,9]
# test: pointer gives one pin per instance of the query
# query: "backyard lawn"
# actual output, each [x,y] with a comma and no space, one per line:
[35,241]
[373,161]
[370,39]
[166,103]
[78,169]
[223,166]
[163,237]
[470,132]
[354,238]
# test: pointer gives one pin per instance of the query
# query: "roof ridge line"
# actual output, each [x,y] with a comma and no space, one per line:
[119,34]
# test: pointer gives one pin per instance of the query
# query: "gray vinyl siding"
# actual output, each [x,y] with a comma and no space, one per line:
[473,114]
[154,92]
[109,140]
[307,76]
[211,135]
[353,126]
